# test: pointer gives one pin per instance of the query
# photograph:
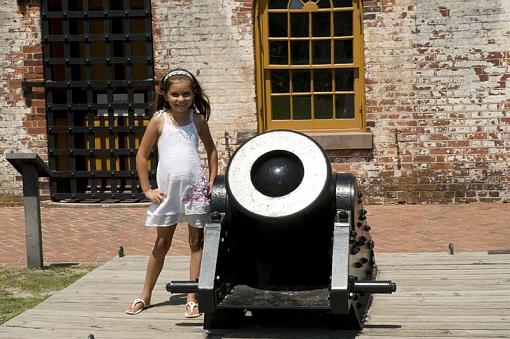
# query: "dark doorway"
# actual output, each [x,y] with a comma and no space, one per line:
[99,87]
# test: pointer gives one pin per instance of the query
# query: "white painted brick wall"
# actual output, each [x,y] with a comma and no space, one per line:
[16,32]
[455,57]
[202,36]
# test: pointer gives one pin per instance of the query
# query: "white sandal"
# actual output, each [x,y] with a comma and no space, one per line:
[191,306]
[136,301]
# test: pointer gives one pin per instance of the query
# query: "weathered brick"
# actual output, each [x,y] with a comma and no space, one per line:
[436,77]
[453,87]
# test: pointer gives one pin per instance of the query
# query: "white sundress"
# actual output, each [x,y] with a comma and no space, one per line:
[180,175]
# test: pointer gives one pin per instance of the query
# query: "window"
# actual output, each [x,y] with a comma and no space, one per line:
[99,87]
[310,65]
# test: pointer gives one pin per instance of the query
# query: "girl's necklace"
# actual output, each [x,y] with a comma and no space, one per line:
[174,121]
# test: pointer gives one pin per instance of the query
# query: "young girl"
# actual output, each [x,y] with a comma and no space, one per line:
[181,115]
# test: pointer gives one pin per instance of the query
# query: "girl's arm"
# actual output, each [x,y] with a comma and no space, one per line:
[210,147]
[148,141]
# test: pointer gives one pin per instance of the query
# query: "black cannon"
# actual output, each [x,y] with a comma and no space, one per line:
[286,233]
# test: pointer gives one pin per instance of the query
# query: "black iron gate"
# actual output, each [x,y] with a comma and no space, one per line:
[99,87]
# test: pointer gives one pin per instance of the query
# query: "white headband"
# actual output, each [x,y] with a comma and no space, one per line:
[176,73]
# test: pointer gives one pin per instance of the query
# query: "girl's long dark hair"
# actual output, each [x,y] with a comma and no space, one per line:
[200,101]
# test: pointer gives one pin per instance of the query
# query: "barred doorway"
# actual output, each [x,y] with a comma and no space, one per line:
[99,87]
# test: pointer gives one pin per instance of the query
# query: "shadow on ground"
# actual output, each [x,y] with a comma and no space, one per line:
[306,324]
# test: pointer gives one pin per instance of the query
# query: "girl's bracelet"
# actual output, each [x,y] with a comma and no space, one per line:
[146,189]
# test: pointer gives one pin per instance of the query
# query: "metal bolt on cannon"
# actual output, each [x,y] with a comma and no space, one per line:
[286,233]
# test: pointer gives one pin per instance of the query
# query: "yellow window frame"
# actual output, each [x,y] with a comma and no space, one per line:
[264,68]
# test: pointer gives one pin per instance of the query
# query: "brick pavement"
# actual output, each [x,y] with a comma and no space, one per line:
[94,234]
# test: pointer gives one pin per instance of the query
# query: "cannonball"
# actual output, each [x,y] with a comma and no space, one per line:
[277,173]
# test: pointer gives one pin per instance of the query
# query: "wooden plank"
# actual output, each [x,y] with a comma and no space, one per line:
[373,333]
[438,296]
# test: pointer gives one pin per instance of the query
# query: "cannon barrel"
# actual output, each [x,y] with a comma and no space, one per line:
[286,232]
[281,194]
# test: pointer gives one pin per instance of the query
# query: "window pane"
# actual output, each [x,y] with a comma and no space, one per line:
[316,43]
[278,4]
[299,53]
[342,3]
[322,81]
[321,24]
[343,51]
[280,81]
[296,4]
[344,106]
[278,54]
[343,23]
[301,107]
[323,105]
[321,52]
[280,107]
[301,81]
[299,25]
[344,80]
[324,4]
[277,25]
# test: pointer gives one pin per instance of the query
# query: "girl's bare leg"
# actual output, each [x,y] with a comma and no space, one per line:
[155,265]
[196,241]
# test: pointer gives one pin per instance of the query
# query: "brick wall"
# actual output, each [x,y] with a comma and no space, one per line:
[22,118]
[215,43]
[436,90]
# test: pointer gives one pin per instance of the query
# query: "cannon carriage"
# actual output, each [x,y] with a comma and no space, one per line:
[286,233]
